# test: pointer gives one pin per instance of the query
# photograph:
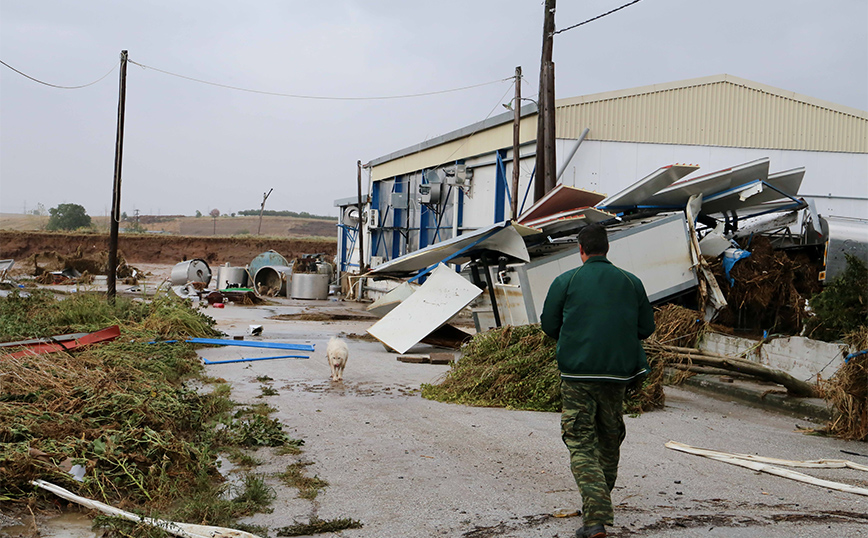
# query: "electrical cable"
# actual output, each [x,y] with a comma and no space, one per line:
[592,19]
[479,126]
[319,97]
[57,86]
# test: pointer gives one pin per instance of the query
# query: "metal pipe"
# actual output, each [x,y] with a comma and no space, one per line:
[572,154]
[490,283]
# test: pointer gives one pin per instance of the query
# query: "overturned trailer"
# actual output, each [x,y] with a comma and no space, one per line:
[656,249]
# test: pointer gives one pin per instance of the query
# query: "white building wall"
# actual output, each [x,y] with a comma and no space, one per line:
[836,182]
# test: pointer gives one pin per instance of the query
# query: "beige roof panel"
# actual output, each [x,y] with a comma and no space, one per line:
[720,110]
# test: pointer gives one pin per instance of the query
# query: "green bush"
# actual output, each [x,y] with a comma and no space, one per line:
[842,307]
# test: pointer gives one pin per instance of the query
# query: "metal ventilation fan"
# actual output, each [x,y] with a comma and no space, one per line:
[350,216]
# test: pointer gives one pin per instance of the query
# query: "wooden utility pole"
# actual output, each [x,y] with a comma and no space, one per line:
[516,140]
[362,267]
[551,173]
[265,196]
[545,113]
[116,189]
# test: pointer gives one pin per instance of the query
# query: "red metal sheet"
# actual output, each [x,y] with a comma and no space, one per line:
[104,335]
[558,200]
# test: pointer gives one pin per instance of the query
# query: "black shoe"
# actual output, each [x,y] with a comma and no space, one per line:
[594,531]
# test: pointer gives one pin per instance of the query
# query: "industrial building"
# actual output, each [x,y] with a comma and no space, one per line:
[461,181]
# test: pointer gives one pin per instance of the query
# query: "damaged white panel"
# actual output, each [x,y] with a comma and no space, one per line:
[389,301]
[714,243]
[757,193]
[708,185]
[646,187]
[502,238]
[442,296]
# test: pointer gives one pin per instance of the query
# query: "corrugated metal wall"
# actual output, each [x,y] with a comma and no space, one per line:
[719,113]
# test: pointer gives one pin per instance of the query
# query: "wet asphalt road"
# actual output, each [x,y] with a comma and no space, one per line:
[408,467]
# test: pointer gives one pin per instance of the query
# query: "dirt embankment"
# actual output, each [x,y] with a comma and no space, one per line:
[290,227]
[167,249]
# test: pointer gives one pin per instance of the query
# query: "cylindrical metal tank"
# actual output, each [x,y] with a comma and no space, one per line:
[231,277]
[195,270]
[268,257]
[310,286]
[273,280]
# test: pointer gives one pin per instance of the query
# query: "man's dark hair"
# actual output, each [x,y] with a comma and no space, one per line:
[594,240]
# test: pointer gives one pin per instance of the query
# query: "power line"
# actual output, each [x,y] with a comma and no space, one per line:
[55,85]
[597,17]
[480,124]
[319,97]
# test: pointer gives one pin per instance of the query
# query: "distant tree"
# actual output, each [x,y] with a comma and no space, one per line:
[198,213]
[124,215]
[233,214]
[214,214]
[68,217]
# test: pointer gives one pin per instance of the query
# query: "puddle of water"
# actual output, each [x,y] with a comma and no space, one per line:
[66,525]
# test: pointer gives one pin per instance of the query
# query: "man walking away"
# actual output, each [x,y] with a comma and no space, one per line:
[599,314]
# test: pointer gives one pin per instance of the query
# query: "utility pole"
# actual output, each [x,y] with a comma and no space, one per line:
[362,267]
[116,189]
[265,196]
[545,114]
[516,140]
[551,173]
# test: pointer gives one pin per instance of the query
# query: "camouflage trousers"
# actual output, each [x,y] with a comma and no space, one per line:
[592,427]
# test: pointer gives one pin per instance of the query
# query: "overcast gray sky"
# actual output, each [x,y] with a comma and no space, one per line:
[190,146]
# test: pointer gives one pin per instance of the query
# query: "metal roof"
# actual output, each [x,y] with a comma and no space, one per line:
[720,110]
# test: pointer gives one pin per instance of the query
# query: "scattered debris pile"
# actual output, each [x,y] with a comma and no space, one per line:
[511,367]
[769,290]
[847,391]
[516,368]
[115,421]
[55,268]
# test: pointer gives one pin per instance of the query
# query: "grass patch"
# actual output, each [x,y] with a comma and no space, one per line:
[255,493]
[264,378]
[317,526]
[308,487]
[253,430]
[265,390]
[289,450]
[241,458]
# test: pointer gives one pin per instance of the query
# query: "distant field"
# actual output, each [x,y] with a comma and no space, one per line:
[290,227]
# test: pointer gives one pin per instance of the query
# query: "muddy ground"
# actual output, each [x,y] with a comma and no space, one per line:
[157,249]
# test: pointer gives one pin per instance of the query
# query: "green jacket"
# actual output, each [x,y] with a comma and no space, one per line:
[599,314]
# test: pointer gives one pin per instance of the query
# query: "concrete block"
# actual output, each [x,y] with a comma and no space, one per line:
[800,357]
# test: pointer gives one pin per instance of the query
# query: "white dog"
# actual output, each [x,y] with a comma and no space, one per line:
[337,353]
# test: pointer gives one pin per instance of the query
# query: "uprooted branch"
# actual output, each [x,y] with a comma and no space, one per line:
[699,357]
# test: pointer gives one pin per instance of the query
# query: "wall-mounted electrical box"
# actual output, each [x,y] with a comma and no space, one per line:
[399,200]
[372,218]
